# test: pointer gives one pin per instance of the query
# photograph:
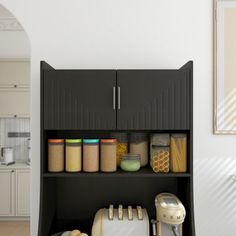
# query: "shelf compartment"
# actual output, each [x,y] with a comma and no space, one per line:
[68,196]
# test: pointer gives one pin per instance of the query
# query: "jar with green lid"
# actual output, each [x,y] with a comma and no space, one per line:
[55,155]
[108,155]
[139,145]
[122,145]
[73,155]
[130,162]
[91,155]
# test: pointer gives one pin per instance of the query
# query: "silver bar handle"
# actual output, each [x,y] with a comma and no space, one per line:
[114,98]
[154,227]
[118,98]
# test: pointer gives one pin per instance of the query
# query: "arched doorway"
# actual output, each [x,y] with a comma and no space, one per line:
[14,126]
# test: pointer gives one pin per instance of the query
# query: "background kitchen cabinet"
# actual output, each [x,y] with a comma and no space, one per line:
[15,191]
[14,88]
[14,73]
[14,102]
[79,99]
[22,192]
[7,195]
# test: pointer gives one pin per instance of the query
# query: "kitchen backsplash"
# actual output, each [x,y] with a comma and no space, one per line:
[14,133]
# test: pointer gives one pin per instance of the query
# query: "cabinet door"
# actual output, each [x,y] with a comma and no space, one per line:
[14,102]
[153,99]
[14,72]
[79,99]
[22,192]
[7,195]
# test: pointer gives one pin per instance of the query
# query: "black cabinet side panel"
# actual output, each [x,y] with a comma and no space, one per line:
[153,99]
[79,99]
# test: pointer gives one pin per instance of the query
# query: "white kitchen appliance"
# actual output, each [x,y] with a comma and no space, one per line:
[170,215]
[7,156]
[121,222]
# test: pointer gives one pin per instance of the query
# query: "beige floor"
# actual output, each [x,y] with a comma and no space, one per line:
[14,228]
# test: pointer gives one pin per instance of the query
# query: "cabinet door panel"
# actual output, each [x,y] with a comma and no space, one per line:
[22,193]
[7,194]
[153,99]
[79,99]
[14,102]
[13,72]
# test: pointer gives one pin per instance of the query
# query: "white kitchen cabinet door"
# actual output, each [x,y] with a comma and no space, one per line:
[14,72]
[22,192]
[14,103]
[7,194]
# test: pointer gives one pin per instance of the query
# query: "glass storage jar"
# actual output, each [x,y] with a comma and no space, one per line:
[178,153]
[55,155]
[91,155]
[108,155]
[73,155]
[160,159]
[139,145]
[130,162]
[122,145]
[160,140]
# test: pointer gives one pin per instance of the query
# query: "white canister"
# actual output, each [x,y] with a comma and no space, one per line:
[7,154]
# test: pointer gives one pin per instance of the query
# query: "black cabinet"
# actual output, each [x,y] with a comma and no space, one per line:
[153,99]
[79,99]
[94,104]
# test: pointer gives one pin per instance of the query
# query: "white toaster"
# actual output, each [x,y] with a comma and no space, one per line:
[120,222]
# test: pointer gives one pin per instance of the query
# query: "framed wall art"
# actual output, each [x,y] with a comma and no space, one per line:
[225,66]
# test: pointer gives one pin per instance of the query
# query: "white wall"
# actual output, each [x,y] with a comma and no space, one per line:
[138,34]
[13,44]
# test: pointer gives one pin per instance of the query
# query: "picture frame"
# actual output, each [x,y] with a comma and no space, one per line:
[224,71]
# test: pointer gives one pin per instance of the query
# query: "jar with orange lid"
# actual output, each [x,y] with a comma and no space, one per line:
[108,155]
[55,155]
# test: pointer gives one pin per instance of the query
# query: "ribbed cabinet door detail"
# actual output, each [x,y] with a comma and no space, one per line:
[153,99]
[79,99]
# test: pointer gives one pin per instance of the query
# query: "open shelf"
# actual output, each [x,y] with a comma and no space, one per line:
[144,172]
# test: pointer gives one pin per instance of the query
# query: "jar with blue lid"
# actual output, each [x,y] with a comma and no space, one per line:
[91,155]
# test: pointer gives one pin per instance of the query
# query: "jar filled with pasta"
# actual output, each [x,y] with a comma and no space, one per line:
[160,159]
[160,152]
[122,145]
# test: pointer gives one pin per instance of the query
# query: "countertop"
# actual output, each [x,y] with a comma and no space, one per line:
[15,166]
